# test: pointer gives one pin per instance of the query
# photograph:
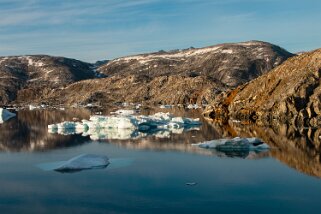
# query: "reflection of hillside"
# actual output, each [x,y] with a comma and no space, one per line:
[28,131]
[297,148]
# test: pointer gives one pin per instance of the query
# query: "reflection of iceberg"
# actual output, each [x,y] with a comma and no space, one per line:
[246,154]
[127,126]
[236,147]
[5,115]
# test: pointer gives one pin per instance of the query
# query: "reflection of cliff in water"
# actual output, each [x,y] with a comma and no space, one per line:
[297,148]
[28,131]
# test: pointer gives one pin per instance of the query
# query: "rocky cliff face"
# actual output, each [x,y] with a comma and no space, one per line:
[176,77]
[27,78]
[291,92]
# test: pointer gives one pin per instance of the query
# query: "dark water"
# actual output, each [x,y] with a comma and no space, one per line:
[284,180]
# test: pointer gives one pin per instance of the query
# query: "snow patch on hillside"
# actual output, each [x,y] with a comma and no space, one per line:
[228,51]
[180,54]
[32,62]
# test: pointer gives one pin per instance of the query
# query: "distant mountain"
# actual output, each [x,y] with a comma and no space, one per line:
[231,64]
[194,75]
[291,92]
[25,78]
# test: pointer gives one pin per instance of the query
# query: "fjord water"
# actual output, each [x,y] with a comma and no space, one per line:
[285,179]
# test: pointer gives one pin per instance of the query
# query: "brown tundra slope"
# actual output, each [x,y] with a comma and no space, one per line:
[291,92]
[176,77]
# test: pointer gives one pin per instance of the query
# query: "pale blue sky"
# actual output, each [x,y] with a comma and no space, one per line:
[92,30]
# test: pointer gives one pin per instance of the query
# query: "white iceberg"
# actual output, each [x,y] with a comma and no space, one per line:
[126,126]
[234,144]
[5,115]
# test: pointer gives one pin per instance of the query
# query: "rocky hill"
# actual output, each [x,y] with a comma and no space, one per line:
[291,92]
[26,78]
[176,77]
[231,64]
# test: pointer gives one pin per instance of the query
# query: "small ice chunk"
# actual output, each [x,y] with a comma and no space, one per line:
[5,115]
[191,183]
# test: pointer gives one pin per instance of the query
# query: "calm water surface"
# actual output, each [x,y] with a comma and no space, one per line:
[284,180]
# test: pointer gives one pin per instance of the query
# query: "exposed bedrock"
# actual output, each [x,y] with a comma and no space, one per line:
[289,93]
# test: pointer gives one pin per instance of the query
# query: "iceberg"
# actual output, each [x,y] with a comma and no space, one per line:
[234,144]
[5,115]
[126,126]
[78,163]
[85,162]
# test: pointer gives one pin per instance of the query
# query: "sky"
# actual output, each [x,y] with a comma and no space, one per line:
[92,30]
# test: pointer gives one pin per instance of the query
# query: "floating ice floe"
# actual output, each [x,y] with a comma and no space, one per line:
[85,162]
[127,126]
[235,144]
[5,115]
